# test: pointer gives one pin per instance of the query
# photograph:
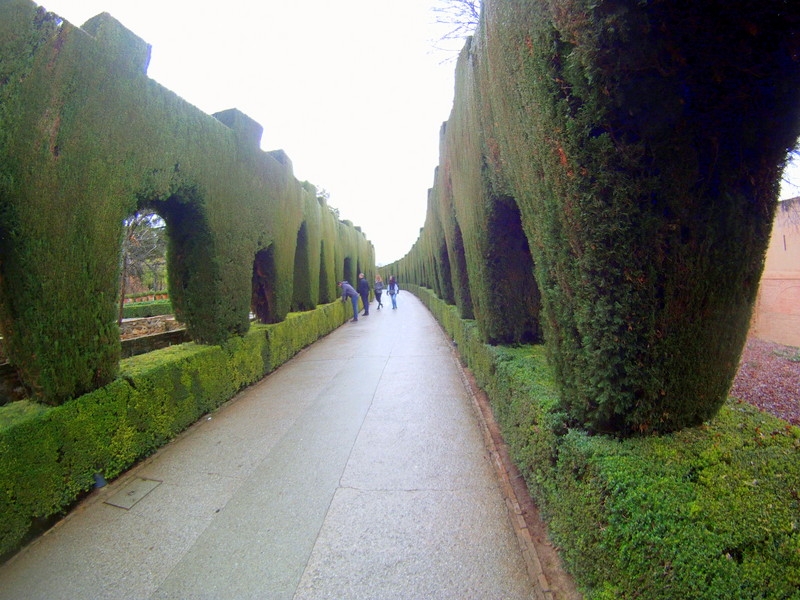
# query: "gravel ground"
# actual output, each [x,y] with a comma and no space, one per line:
[769,378]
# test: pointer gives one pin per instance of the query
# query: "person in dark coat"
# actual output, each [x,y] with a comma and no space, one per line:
[348,291]
[378,289]
[363,290]
[393,290]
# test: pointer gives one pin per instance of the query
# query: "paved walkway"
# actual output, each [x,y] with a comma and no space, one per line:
[356,470]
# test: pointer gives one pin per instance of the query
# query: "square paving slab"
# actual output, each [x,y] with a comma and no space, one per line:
[137,489]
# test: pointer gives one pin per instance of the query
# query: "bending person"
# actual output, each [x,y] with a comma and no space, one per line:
[348,291]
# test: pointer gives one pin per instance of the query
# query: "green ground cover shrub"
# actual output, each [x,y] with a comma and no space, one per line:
[150,308]
[710,512]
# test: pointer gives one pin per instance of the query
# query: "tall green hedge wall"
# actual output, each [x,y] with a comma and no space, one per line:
[608,179]
[87,139]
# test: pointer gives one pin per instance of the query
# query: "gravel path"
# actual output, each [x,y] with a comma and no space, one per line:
[769,378]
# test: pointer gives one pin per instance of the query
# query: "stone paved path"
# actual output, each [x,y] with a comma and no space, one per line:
[358,470]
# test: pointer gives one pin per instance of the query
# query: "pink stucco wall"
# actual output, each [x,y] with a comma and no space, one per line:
[777,313]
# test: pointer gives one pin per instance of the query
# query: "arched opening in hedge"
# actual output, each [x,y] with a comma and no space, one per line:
[325,279]
[6,299]
[458,266]
[191,268]
[264,277]
[444,279]
[301,292]
[348,274]
[143,261]
[516,299]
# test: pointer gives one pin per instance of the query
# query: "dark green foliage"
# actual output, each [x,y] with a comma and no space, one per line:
[349,274]
[326,282]
[654,196]
[711,512]
[444,278]
[494,271]
[193,269]
[43,276]
[48,456]
[512,288]
[303,298]
[458,269]
[263,300]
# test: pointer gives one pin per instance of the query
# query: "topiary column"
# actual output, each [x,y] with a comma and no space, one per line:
[645,143]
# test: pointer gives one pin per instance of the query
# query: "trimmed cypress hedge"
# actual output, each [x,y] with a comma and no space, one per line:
[150,308]
[87,139]
[496,256]
[659,133]
[642,144]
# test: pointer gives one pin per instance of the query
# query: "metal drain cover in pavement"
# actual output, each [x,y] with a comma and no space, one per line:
[137,489]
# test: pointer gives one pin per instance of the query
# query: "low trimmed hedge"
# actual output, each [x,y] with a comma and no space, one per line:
[707,512]
[151,308]
[49,455]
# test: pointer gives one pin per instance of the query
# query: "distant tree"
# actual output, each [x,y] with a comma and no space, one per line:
[790,207]
[323,196]
[144,247]
[459,16]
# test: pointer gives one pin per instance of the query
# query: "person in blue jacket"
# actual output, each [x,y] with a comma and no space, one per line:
[348,291]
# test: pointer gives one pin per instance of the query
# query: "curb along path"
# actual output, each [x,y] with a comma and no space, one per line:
[544,565]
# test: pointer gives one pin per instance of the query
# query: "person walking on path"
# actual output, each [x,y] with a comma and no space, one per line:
[348,291]
[378,289]
[394,289]
[363,290]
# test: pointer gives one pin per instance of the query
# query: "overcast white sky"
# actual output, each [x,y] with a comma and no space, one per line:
[353,91]
[790,185]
